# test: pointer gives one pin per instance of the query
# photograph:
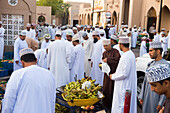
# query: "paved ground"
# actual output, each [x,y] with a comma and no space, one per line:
[136,52]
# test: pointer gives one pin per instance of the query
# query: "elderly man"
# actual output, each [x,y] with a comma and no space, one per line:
[46,42]
[77,60]
[88,46]
[19,44]
[58,60]
[2,31]
[30,89]
[159,79]
[111,57]
[125,79]
[151,101]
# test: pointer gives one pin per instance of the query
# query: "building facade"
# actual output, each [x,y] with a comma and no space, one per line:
[74,11]
[15,14]
[142,13]
[43,14]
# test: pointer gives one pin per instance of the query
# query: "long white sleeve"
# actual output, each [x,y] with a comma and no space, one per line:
[10,94]
[125,66]
[16,50]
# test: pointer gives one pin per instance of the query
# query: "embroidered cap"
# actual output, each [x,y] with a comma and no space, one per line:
[158,73]
[69,33]
[28,25]
[26,51]
[106,42]
[75,37]
[47,36]
[114,37]
[155,45]
[59,32]
[23,33]
[124,40]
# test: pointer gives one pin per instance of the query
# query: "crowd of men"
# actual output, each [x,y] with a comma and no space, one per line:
[48,57]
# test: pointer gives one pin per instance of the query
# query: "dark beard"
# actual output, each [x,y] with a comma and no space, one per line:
[95,40]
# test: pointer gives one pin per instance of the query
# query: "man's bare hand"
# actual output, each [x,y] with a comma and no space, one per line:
[110,76]
[105,60]
[141,101]
[162,110]
[159,108]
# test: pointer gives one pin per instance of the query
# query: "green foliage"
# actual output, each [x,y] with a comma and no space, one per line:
[56,5]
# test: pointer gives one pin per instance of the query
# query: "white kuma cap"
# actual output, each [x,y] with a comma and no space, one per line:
[124,40]
[155,45]
[26,51]
[106,42]
[158,73]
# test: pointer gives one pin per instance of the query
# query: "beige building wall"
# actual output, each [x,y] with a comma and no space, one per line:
[56,20]
[44,11]
[27,8]
[141,13]
[73,12]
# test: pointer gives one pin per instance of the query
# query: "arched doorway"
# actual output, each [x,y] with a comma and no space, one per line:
[165,22]
[114,18]
[151,17]
[41,19]
[126,11]
[88,19]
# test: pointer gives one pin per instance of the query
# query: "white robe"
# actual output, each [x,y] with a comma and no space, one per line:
[168,40]
[88,46]
[33,34]
[143,48]
[90,36]
[70,45]
[134,39]
[30,90]
[2,31]
[58,60]
[45,44]
[130,42]
[164,43]
[125,79]
[96,72]
[156,38]
[29,33]
[41,56]
[77,63]
[118,48]
[53,33]
[18,46]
